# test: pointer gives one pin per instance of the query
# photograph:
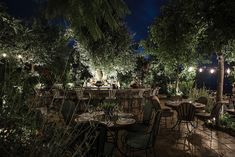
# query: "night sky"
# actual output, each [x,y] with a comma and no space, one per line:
[142,14]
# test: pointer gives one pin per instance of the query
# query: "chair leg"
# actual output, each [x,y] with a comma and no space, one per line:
[165,122]
[146,153]
[188,127]
[154,153]
[177,123]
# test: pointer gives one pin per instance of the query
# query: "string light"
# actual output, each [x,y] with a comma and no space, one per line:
[200,70]
[4,55]
[212,71]
[228,71]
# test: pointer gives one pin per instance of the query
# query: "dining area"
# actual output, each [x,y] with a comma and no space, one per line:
[115,111]
[126,122]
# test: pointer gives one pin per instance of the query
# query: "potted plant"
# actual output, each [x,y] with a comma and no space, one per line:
[108,108]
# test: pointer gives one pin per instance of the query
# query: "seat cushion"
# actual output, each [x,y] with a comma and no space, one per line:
[108,149]
[137,140]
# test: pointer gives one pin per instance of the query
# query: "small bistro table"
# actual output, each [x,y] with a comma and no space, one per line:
[175,104]
[117,124]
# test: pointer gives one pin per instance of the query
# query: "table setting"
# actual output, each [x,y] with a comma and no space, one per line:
[109,114]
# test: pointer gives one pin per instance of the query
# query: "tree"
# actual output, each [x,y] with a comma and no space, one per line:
[219,30]
[87,16]
[209,27]
[112,54]
[169,38]
[20,47]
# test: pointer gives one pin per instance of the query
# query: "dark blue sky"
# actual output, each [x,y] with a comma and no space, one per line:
[142,14]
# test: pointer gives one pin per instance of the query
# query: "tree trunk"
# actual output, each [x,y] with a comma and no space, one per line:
[177,82]
[220,78]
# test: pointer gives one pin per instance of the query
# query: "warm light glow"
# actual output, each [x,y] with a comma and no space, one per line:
[70,85]
[20,56]
[190,69]
[228,71]
[212,71]
[200,70]
[4,55]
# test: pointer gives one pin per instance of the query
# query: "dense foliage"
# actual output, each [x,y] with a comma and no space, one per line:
[87,17]
[39,55]
[22,47]
[188,29]
[112,54]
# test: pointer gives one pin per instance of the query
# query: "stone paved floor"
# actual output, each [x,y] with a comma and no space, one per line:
[202,142]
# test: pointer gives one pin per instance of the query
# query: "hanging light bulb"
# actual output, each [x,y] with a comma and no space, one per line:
[228,71]
[212,71]
[4,55]
[200,70]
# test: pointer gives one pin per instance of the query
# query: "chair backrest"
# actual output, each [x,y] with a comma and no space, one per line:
[68,109]
[202,100]
[147,112]
[186,111]
[154,126]
[216,110]
[156,103]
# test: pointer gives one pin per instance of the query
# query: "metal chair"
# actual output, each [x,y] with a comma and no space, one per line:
[186,113]
[139,141]
[214,115]
[90,139]
[166,112]
[144,124]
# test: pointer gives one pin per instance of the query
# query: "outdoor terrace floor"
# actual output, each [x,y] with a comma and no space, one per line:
[202,142]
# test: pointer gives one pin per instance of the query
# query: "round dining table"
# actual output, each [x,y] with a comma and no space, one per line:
[119,121]
[175,104]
